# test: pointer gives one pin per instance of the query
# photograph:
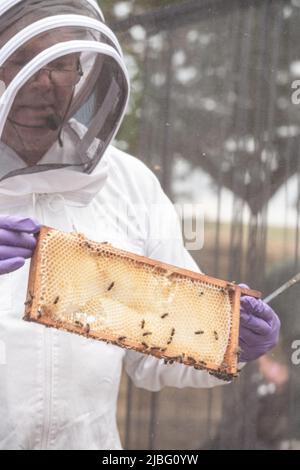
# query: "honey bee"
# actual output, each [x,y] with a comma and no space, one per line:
[191,359]
[111,286]
[122,338]
[56,300]
[199,332]
[87,328]
[164,315]
[145,345]
[231,284]
[230,287]
[143,324]
[148,333]
[216,335]
[237,351]
[78,323]
[173,332]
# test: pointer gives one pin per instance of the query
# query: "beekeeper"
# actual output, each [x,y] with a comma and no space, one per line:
[63,93]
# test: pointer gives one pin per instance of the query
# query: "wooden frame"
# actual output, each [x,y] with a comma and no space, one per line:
[226,371]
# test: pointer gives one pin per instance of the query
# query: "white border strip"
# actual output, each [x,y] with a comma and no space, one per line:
[52,22]
[11,3]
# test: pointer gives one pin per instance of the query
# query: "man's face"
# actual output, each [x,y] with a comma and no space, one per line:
[46,95]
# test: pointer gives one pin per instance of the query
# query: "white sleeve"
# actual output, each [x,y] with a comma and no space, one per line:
[147,371]
[152,374]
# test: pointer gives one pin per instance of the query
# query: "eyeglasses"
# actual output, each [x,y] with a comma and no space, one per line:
[60,76]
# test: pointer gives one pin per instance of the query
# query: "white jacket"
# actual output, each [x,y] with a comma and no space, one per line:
[58,390]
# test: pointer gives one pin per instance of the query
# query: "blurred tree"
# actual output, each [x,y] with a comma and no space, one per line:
[115,10]
[212,89]
[222,77]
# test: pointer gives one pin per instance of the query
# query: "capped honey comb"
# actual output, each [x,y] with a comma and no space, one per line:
[96,290]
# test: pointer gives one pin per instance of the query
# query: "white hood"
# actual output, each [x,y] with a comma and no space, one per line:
[84,102]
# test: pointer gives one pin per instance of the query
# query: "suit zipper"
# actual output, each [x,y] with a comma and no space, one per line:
[47,358]
[48,376]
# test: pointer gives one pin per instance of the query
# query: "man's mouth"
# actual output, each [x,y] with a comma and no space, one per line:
[45,109]
[32,115]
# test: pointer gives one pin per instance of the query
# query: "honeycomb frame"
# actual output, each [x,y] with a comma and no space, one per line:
[182,281]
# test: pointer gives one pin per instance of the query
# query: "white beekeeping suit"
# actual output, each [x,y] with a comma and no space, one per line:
[64,90]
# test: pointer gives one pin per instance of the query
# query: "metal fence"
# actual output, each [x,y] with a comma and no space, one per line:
[215,114]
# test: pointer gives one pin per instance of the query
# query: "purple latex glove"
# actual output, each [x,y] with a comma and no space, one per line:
[16,241]
[259,328]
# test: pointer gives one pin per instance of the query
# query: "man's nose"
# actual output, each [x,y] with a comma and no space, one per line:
[43,78]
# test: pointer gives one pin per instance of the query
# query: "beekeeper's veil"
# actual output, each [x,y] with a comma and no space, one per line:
[63,85]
